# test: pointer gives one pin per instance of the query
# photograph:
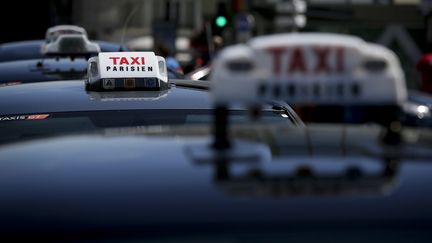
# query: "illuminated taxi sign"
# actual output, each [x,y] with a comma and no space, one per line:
[128,64]
[317,69]
[127,71]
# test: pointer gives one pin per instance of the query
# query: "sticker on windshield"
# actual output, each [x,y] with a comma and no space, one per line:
[24,117]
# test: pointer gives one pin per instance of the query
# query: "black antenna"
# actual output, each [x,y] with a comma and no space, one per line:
[125,26]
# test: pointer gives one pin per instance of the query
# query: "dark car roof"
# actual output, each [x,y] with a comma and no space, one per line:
[65,96]
[145,183]
[47,69]
[23,50]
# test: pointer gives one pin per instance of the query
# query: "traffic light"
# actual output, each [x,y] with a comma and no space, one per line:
[220,21]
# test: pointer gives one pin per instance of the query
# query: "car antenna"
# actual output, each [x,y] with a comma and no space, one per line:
[125,26]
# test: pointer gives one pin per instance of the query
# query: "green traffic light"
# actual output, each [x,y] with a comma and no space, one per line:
[221,21]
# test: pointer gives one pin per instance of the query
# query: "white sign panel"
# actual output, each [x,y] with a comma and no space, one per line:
[128,64]
[308,68]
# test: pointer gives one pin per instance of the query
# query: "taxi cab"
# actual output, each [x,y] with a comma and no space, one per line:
[220,180]
[121,89]
[61,56]
[58,39]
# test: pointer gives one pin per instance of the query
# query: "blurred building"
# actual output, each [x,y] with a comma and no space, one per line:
[142,24]
[403,25]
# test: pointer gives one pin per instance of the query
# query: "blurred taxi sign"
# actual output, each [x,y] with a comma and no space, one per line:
[127,71]
[308,68]
[68,40]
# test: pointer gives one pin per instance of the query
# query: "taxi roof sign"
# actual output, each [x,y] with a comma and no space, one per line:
[54,32]
[68,40]
[112,71]
[308,68]
[128,64]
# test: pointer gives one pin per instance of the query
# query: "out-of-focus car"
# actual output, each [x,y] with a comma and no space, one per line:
[38,70]
[62,40]
[416,111]
[24,50]
[62,56]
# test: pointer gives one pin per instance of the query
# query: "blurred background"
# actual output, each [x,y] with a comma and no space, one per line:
[193,30]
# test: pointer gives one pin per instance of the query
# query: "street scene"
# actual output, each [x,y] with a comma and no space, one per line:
[216,121]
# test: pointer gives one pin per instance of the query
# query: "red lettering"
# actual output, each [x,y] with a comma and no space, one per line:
[321,54]
[124,60]
[276,59]
[114,60]
[297,61]
[127,61]
[134,60]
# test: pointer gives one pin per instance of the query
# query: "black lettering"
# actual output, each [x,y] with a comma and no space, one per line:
[150,69]
[115,69]
[108,68]
[121,69]
[132,69]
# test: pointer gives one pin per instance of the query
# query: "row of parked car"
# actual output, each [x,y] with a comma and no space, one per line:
[297,137]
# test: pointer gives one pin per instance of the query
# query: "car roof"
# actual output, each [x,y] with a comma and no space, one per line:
[46,69]
[132,180]
[31,49]
[68,96]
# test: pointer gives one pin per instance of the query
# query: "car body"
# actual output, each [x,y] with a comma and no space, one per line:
[25,50]
[164,183]
[38,70]
[50,69]
[69,107]
[61,56]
